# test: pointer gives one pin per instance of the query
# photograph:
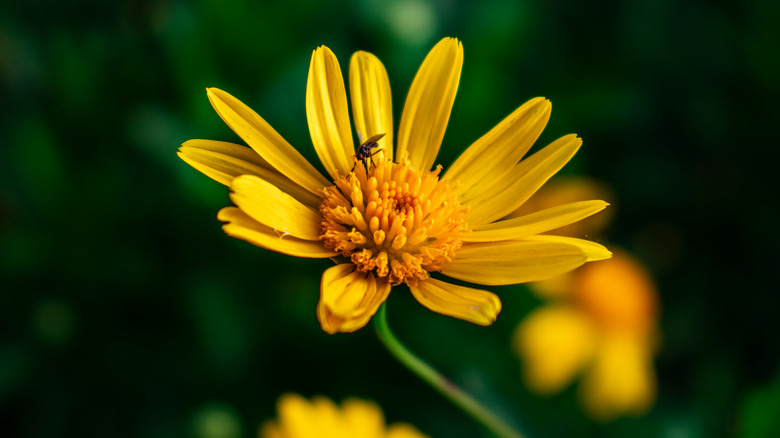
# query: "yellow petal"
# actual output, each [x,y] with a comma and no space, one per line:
[534,223]
[328,114]
[497,152]
[403,430]
[362,418]
[265,203]
[554,343]
[564,189]
[512,262]
[297,417]
[242,226]
[622,379]
[349,298]
[428,105]
[326,417]
[261,137]
[508,193]
[472,305]
[372,104]
[592,250]
[223,161]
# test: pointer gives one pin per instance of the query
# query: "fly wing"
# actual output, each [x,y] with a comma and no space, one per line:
[373,140]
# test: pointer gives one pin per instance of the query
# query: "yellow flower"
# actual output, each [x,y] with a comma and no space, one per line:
[606,328]
[386,216]
[321,418]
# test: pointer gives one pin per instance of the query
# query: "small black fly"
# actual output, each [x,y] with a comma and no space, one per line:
[365,152]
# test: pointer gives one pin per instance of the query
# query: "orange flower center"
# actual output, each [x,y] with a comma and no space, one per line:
[392,220]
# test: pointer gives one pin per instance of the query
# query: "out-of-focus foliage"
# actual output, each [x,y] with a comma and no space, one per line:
[125,311]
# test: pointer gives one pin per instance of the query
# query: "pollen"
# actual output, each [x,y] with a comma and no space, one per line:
[392,220]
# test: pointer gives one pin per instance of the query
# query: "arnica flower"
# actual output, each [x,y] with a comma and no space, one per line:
[321,418]
[384,216]
[605,328]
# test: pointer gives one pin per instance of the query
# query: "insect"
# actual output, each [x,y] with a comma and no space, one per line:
[365,153]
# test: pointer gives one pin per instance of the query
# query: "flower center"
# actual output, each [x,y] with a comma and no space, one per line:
[392,220]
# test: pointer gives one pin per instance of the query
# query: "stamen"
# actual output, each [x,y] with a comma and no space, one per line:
[358,219]
[379,235]
[399,242]
[392,220]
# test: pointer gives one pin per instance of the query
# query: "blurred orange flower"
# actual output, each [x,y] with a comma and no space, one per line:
[321,418]
[605,328]
[601,321]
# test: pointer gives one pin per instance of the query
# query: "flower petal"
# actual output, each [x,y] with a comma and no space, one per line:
[349,298]
[428,105]
[298,417]
[534,223]
[261,137]
[223,161]
[241,226]
[520,183]
[618,293]
[326,415]
[564,189]
[372,104]
[592,250]
[497,152]
[512,262]
[265,203]
[622,379]
[554,343]
[362,418]
[404,430]
[472,305]
[328,114]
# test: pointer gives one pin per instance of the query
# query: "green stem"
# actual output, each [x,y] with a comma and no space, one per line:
[439,382]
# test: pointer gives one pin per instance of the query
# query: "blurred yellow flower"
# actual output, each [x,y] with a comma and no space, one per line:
[321,418]
[393,220]
[605,327]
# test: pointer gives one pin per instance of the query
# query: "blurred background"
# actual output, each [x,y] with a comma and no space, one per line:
[126,311]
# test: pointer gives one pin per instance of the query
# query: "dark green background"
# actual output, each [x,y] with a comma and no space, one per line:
[125,311]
